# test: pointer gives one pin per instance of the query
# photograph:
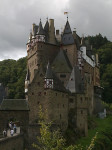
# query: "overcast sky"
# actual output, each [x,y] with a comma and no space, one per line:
[89,17]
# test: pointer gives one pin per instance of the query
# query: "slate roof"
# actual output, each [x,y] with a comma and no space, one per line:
[57,84]
[49,73]
[75,83]
[67,37]
[77,41]
[40,29]
[14,104]
[61,63]
[46,27]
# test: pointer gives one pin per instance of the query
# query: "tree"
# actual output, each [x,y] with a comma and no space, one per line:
[53,140]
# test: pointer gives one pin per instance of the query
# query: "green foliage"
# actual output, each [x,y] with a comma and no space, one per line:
[53,140]
[97,41]
[105,57]
[12,75]
[104,136]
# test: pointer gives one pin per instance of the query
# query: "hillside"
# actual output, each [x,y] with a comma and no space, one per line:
[12,75]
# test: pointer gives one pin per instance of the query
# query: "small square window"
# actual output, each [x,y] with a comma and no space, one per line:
[39,94]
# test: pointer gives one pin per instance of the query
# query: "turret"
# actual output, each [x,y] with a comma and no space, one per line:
[67,37]
[49,78]
[40,36]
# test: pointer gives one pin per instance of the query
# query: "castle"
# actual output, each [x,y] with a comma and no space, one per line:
[62,76]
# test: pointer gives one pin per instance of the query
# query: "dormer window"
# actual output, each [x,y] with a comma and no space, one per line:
[62,75]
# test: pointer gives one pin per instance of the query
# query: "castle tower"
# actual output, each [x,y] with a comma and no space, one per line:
[68,44]
[35,48]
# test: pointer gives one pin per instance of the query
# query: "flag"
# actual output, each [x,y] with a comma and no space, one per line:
[65,13]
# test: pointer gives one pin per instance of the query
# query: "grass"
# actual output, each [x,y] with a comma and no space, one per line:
[101,125]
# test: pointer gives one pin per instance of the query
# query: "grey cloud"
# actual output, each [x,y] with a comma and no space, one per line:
[16,18]
[91,17]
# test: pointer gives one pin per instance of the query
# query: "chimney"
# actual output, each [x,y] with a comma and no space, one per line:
[57,32]
[51,32]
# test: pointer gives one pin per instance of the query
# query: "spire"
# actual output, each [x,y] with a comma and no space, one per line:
[67,37]
[67,28]
[46,27]
[49,73]
[40,29]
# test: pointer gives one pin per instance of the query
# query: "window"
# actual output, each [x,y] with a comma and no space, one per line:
[81,99]
[63,106]
[32,93]
[58,105]
[38,83]
[56,94]
[71,100]
[50,82]
[62,76]
[44,93]
[81,111]
[39,94]
[60,116]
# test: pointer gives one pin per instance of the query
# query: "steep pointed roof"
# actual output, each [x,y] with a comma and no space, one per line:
[40,29]
[49,74]
[67,37]
[46,27]
[75,83]
[61,63]
[67,28]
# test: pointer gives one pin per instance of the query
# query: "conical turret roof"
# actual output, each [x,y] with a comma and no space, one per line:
[67,37]
[49,73]
[67,28]
[46,27]
[40,29]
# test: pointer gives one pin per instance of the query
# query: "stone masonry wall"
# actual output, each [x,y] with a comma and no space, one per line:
[12,143]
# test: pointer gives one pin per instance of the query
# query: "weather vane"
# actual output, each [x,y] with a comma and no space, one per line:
[66,13]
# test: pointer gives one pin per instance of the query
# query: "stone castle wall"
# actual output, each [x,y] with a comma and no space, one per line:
[12,143]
